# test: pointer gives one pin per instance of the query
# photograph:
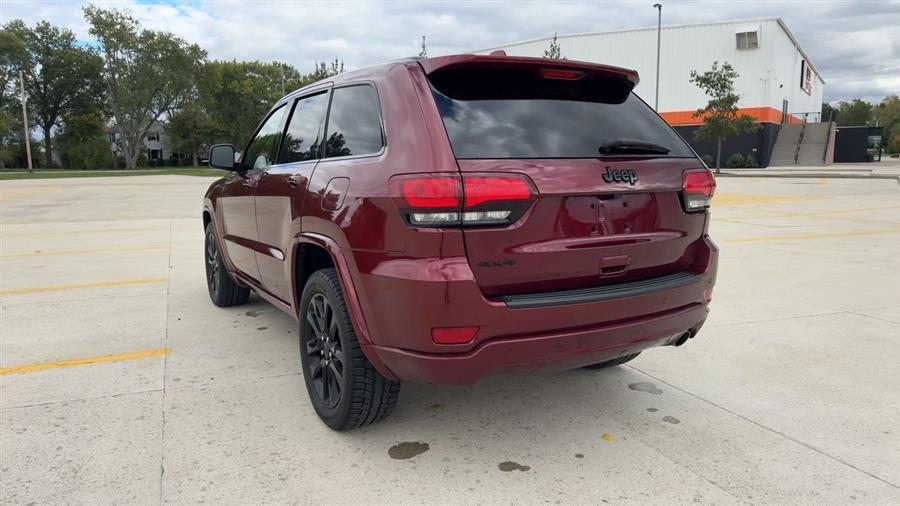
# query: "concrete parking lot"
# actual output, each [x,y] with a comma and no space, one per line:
[122,383]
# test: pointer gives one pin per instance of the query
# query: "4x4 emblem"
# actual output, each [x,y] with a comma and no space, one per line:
[620,176]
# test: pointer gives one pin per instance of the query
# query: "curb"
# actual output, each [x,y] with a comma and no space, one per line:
[815,175]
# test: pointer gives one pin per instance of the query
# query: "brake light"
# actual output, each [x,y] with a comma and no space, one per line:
[474,199]
[569,75]
[698,189]
[480,190]
[431,192]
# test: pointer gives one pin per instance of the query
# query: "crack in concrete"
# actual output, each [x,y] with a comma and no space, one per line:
[162,431]
[83,399]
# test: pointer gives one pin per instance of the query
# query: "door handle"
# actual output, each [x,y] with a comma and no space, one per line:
[250,183]
[294,180]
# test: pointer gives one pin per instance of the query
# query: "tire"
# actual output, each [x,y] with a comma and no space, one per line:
[344,387]
[223,291]
[614,362]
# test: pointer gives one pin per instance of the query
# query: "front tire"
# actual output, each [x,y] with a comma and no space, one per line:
[613,362]
[344,387]
[223,291]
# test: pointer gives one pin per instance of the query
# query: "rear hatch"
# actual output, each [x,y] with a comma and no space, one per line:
[591,176]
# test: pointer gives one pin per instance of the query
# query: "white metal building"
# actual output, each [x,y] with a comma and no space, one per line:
[776,75]
[763,51]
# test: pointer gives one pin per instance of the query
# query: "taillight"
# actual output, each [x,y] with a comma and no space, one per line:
[431,192]
[470,200]
[698,189]
[481,190]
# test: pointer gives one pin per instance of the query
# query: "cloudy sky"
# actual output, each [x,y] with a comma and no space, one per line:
[855,44]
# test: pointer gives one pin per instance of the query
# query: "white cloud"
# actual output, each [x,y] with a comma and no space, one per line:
[855,45]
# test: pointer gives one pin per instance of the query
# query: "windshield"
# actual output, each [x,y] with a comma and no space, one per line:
[530,117]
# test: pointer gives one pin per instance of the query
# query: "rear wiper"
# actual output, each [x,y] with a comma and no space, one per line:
[635,146]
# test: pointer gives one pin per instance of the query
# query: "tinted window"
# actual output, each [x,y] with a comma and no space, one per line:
[301,141]
[526,116]
[261,151]
[354,124]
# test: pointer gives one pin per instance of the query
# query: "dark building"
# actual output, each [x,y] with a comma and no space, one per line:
[857,144]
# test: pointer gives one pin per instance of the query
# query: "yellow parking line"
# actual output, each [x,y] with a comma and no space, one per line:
[13,194]
[84,251]
[744,199]
[83,361]
[54,288]
[822,180]
[781,214]
[813,236]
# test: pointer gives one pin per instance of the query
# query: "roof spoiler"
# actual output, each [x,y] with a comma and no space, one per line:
[431,65]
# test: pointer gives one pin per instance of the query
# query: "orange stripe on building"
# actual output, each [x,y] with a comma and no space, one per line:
[759,114]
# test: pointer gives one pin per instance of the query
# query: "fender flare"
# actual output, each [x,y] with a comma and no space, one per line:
[220,243]
[357,318]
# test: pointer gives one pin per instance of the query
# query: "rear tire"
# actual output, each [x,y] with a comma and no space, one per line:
[613,362]
[344,387]
[223,291]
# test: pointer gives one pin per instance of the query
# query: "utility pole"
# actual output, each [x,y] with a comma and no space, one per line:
[25,122]
[658,34]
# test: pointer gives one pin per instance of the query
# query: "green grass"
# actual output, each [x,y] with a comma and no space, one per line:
[7,174]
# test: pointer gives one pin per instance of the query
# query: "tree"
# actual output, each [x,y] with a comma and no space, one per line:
[60,76]
[828,113]
[12,51]
[147,74]
[424,52]
[857,112]
[82,142]
[554,52]
[10,135]
[324,71]
[721,118]
[190,130]
[887,116]
[231,96]
[236,94]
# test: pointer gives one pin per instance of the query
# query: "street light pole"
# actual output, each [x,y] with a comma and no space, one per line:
[658,33]
[25,121]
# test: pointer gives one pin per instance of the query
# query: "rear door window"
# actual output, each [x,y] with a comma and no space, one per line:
[354,123]
[499,114]
[304,131]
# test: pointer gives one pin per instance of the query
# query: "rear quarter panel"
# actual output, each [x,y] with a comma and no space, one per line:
[366,225]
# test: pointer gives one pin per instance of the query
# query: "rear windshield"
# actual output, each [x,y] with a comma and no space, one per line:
[490,113]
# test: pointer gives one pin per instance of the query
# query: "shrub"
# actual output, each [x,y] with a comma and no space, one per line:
[750,162]
[82,144]
[736,160]
[708,160]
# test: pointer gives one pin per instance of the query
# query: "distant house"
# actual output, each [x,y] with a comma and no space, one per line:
[156,144]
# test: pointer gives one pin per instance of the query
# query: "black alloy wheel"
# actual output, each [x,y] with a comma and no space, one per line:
[223,291]
[325,357]
[344,388]
[212,263]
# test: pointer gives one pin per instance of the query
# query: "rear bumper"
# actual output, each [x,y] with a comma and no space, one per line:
[403,299]
[541,353]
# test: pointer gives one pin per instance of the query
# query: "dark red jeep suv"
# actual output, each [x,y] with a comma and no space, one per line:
[440,220]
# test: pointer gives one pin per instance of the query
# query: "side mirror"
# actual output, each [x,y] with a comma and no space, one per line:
[221,156]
